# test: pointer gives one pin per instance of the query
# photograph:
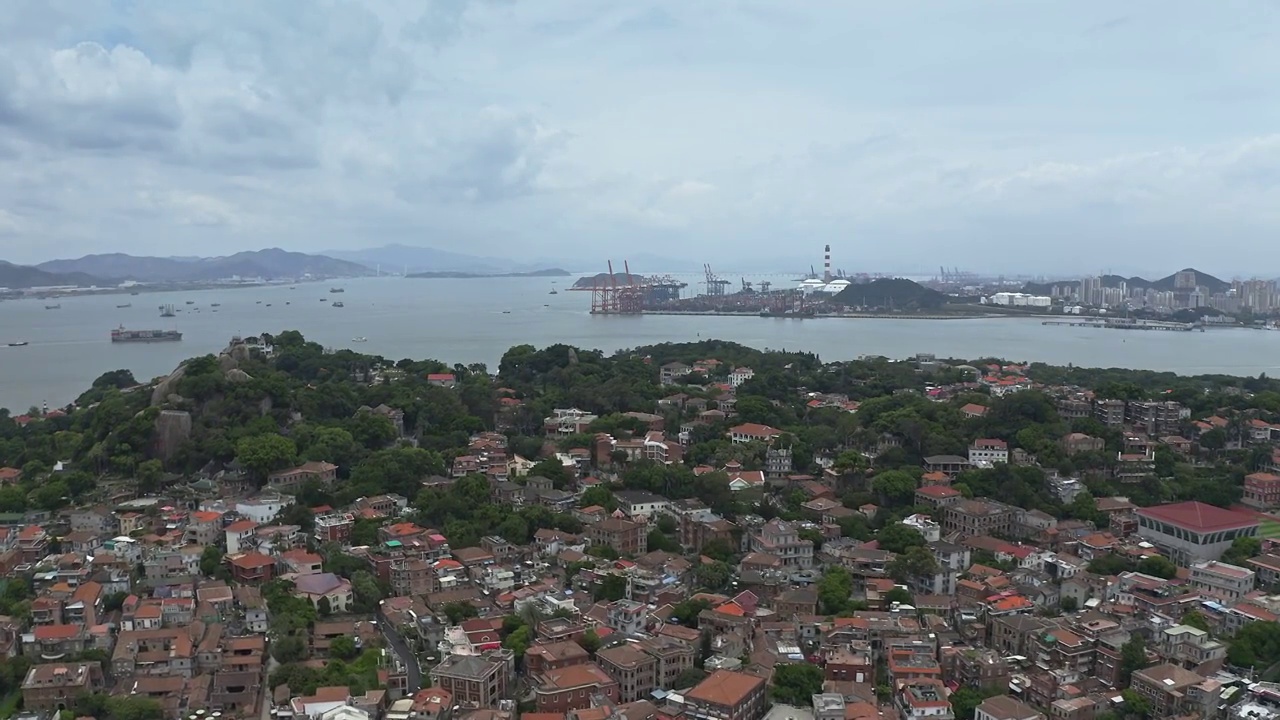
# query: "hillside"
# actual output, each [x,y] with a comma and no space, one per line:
[22,276]
[1206,280]
[891,293]
[270,263]
[603,279]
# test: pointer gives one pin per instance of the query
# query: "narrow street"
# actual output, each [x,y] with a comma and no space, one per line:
[401,649]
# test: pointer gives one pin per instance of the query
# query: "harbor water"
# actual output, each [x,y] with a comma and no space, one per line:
[476,320]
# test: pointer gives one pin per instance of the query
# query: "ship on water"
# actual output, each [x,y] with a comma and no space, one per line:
[122,335]
[336,290]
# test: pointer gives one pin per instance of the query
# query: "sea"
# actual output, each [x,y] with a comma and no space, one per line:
[477,320]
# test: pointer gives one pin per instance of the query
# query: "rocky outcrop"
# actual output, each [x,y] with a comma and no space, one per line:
[167,386]
[173,428]
[236,375]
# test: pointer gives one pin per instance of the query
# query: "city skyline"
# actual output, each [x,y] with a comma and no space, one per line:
[1003,139]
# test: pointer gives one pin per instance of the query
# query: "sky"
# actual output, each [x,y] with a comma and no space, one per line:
[1051,137]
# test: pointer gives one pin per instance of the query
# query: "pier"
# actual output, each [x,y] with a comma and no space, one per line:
[1127,324]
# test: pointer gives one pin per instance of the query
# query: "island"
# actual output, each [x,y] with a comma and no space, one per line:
[547,272]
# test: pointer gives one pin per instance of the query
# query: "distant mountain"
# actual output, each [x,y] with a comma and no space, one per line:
[272,263]
[457,275]
[396,259]
[891,293]
[23,276]
[1205,280]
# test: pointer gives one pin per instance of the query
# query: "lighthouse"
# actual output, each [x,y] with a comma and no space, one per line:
[826,264]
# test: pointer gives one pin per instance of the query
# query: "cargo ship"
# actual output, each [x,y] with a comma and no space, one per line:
[122,335]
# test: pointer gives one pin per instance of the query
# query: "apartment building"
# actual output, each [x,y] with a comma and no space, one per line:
[1227,583]
[1074,443]
[781,538]
[1156,418]
[1003,707]
[573,687]
[1173,691]
[728,695]
[978,517]
[624,536]
[292,480]
[641,667]
[1261,490]
[1109,412]
[50,688]
[476,681]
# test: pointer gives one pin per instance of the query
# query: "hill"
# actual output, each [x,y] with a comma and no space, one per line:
[397,258]
[271,263]
[23,276]
[603,279]
[891,293]
[1213,284]
[448,274]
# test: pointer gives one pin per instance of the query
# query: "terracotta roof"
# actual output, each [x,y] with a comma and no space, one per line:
[1195,515]
[938,492]
[725,688]
[241,526]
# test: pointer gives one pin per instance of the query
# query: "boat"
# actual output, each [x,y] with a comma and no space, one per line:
[360,339]
[133,293]
[257,302]
[19,343]
[553,292]
[167,311]
[336,290]
[338,304]
[191,302]
[125,305]
[268,304]
[215,304]
[506,312]
[122,335]
[53,307]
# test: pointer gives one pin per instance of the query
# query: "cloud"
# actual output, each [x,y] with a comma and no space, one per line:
[903,135]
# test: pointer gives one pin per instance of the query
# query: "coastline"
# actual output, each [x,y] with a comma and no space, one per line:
[839,316]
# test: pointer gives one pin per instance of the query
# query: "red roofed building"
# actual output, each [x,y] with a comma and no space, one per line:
[728,695]
[252,567]
[937,495]
[9,475]
[1262,490]
[988,451]
[1188,532]
[445,380]
[753,432]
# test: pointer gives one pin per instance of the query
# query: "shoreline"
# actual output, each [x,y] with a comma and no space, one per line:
[140,290]
[835,316]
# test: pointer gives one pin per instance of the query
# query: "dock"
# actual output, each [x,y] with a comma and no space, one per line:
[1127,324]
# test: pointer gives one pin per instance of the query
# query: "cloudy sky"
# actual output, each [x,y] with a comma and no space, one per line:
[1017,136]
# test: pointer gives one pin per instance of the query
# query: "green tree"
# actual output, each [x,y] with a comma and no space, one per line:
[344,648]
[134,707]
[898,538]
[898,595]
[714,575]
[1158,566]
[148,475]
[834,590]
[1242,548]
[518,641]
[324,608]
[966,700]
[895,487]
[1133,657]
[612,587]
[689,677]
[289,649]
[210,560]
[915,562]
[456,612]
[1193,618]
[1069,604]
[590,642]
[796,684]
[264,454]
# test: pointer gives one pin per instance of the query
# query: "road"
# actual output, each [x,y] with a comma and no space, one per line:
[401,649]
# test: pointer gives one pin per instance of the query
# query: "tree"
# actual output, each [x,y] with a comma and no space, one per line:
[263,454]
[289,649]
[895,487]
[1242,548]
[686,612]
[456,612]
[1194,619]
[689,677]
[834,590]
[210,560]
[796,684]
[519,640]
[344,648]
[590,642]
[1135,705]
[324,607]
[1158,566]
[148,474]
[600,495]
[966,700]
[714,575]
[898,595]
[1133,657]
[612,587]
[134,707]
[603,551]
[898,538]
[1069,604]
[718,549]
[915,562]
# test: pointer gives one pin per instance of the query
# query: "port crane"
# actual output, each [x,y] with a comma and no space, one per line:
[715,284]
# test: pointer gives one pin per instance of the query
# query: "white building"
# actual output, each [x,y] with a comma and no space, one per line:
[922,524]
[264,508]
[1019,300]
[988,451]
[740,375]
[1228,583]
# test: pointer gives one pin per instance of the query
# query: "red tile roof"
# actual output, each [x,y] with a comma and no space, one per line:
[1197,516]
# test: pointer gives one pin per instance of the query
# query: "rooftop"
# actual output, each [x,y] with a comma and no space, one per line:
[725,688]
[1197,516]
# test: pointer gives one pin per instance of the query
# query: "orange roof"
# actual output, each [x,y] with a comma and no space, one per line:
[731,608]
[1013,602]
[241,526]
[57,632]
[252,560]
[205,516]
